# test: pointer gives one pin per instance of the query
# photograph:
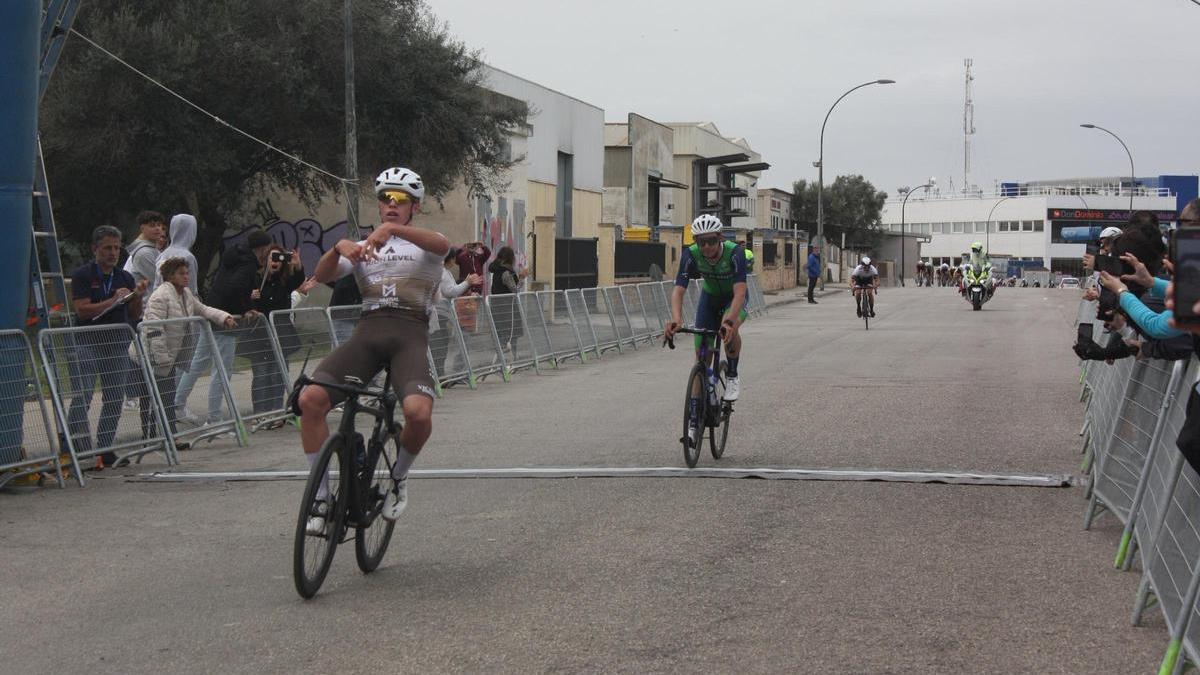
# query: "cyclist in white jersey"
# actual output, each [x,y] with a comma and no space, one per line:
[398,269]
[865,279]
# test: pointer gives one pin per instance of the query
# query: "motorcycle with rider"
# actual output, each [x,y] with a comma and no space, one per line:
[977,285]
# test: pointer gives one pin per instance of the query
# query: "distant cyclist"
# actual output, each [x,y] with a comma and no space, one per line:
[865,280]
[721,266]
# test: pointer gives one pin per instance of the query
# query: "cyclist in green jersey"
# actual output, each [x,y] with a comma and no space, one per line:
[721,266]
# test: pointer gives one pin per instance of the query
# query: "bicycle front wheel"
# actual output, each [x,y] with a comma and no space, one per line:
[691,447]
[374,531]
[313,552]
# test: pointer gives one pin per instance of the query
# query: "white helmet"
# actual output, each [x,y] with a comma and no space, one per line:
[706,223]
[404,180]
[866,260]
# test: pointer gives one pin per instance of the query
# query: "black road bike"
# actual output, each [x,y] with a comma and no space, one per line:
[359,477]
[865,301]
[712,410]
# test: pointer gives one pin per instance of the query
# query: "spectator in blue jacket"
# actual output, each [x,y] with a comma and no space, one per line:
[813,267]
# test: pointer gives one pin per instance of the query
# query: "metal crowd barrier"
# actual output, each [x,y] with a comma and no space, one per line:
[536,329]
[27,438]
[514,345]
[171,347]
[76,361]
[603,320]
[447,347]
[302,338]
[481,353]
[620,315]
[1119,462]
[561,327]
[244,374]
[248,359]
[1136,410]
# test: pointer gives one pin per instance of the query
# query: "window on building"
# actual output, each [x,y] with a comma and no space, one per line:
[937,228]
[1039,226]
[980,227]
[1027,226]
[993,226]
[959,228]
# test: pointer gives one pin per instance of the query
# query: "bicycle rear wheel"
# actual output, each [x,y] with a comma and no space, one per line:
[313,553]
[691,450]
[716,445]
[374,531]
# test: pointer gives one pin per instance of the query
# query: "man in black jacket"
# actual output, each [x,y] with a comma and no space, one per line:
[237,278]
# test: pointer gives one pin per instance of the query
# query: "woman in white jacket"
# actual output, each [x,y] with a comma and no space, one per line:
[167,345]
[441,342]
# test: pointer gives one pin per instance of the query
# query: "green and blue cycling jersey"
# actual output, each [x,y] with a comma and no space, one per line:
[717,281]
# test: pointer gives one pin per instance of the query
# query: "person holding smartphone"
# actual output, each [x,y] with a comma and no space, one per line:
[282,274]
[1183,293]
[471,259]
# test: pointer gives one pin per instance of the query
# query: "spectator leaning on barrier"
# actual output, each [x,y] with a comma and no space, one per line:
[440,340]
[282,274]
[1188,440]
[470,260]
[101,295]
[813,268]
[505,282]
[183,236]
[237,277]
[168,346]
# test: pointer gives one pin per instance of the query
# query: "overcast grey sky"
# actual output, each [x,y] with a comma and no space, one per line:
[768,70]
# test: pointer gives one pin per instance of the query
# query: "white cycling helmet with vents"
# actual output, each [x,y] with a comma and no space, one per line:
[706,223]
[866,261]
[404,180]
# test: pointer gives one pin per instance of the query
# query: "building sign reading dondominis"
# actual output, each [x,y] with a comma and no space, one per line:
[1102,215]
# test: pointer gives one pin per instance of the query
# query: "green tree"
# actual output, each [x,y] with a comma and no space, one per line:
[115,144]
[852,207]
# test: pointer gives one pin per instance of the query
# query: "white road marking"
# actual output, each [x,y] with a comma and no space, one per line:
[957,478]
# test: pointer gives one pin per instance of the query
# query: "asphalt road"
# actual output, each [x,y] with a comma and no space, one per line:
[635,574]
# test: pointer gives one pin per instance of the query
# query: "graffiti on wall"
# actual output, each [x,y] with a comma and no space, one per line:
[502,227]
[308,237]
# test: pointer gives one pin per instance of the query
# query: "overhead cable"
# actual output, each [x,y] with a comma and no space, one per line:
[214,117]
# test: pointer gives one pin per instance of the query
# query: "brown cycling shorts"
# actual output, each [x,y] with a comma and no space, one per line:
[382,337]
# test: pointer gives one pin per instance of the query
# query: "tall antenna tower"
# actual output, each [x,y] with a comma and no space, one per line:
[968,126]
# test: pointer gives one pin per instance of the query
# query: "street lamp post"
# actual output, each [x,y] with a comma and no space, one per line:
[820,164]
[1132,179]
[987,228]
[907,194]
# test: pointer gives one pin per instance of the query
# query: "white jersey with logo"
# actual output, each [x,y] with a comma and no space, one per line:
[865,272]
[402,276]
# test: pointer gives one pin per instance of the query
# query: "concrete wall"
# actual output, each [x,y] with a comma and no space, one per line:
[653,154]
[693,140]
[560,123]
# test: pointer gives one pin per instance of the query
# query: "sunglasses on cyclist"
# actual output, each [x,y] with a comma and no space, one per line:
[394,196]
[708,241]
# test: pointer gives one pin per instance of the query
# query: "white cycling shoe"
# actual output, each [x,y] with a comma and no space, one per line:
[733,388]
[316,518]
[396,500]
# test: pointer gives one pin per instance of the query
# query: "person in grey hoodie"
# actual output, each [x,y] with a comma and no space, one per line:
[143,254]
[183,236]
[143,251]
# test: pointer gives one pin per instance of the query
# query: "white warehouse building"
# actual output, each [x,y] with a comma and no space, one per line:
[1022,223]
